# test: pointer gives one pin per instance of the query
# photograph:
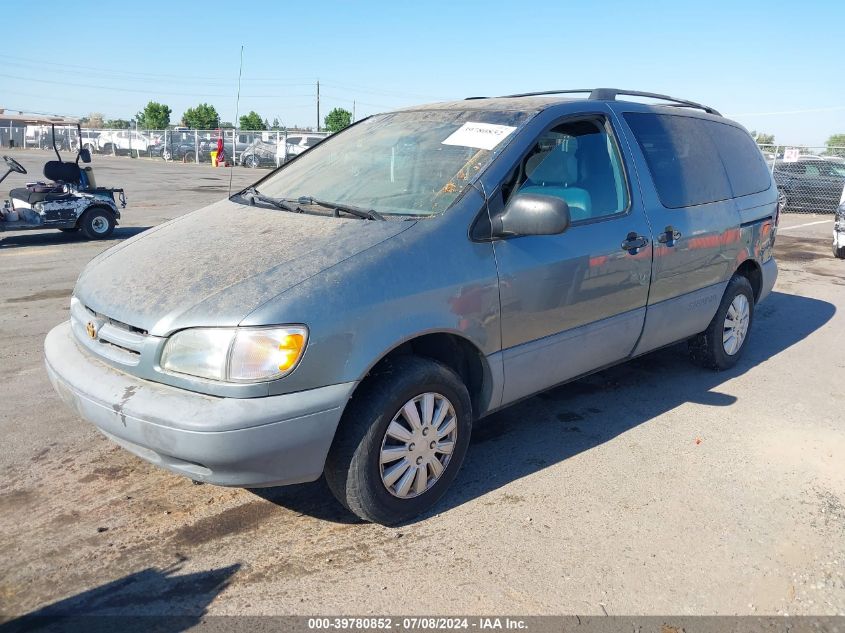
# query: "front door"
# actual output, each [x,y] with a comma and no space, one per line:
[573,302]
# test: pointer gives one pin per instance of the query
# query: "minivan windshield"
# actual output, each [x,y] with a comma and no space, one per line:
[402,163]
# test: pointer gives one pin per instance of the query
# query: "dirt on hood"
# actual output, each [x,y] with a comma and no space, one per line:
[215,265]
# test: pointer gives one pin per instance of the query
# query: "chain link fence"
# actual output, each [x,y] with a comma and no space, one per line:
[240,147]
[809,179]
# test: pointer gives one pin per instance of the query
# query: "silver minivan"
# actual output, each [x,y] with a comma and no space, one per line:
[356,311]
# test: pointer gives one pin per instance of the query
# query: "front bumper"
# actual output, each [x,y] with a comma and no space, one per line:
[247,442]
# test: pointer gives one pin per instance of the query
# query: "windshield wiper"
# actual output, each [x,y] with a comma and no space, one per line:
[358,212]
[252,194]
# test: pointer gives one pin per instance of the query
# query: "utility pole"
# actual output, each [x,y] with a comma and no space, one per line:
[353,111]
[318,105]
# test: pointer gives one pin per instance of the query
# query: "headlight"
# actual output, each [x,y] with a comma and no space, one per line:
[235,354]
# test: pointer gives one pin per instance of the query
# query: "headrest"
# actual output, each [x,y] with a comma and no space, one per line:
[555,167]
[59,171]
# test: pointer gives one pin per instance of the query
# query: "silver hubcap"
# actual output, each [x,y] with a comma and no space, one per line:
[99,224]
[418,445]
[736,325]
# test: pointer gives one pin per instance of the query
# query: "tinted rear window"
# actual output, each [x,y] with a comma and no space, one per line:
[694,161]
[746,167]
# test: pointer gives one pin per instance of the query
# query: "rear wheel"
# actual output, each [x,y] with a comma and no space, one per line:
[722,343]
[838,251]
[401,441]
[97,223]
[251,161]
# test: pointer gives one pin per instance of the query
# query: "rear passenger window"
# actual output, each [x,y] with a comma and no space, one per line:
[695,161]
[580,163]
[682,158]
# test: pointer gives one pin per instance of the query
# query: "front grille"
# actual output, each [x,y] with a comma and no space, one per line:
[113,340]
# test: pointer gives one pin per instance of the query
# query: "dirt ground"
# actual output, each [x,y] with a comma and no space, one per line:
[651,488]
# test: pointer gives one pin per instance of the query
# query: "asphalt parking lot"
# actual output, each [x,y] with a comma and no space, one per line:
[651,488]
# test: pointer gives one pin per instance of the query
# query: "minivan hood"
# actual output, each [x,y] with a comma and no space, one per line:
[216,265]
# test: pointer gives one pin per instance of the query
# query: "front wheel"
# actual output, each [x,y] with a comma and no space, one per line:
[838,251]
[97,223]
[722,343]
[401,441]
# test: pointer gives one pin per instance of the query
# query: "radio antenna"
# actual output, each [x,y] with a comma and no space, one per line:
[235,129]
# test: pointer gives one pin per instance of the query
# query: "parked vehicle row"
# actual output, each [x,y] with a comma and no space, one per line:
[261,153]
[354,313]
[811,184]
[180,144]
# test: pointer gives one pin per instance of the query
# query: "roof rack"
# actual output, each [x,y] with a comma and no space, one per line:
[610,94]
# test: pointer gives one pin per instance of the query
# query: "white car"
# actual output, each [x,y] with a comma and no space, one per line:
[121,141]
[294,146]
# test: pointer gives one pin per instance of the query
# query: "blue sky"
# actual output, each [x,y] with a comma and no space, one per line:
[769,64]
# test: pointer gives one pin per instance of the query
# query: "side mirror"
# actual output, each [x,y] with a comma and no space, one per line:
[85,155]
[532,214]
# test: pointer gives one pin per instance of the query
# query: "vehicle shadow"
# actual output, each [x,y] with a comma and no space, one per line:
[125,604]
[565,421]
[54,238]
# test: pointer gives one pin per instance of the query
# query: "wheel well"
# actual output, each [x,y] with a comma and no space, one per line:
[457,353]
[751,271]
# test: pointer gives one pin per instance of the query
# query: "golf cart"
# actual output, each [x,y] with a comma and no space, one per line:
[70,201]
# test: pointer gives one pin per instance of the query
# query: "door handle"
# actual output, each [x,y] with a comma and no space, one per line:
[669,236]
[633,243]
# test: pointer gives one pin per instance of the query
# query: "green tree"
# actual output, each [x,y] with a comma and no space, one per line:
[836,145]
[338,119]
[227,125]
[155,116]
[202,117]
[93,120]
[252,121]
[762,138]
[276,125]
[116,124]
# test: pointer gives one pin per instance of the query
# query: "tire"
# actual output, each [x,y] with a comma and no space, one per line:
[166,154]
[715,348]
[252,162]
[354,471]
[97,223]
[838,253]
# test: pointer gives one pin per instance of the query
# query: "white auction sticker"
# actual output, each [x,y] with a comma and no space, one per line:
[480,135]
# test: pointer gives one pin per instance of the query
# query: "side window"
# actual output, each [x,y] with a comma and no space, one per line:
[682,158]
[294,140]
[812,171]
[580,163]
[746,167]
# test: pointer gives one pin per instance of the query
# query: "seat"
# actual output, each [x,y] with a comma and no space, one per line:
[551,173]
[61,173]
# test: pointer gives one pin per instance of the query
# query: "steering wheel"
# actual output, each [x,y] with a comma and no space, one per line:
[14,165]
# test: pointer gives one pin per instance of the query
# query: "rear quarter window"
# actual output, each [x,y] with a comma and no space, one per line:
[696,161]
[746,167]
